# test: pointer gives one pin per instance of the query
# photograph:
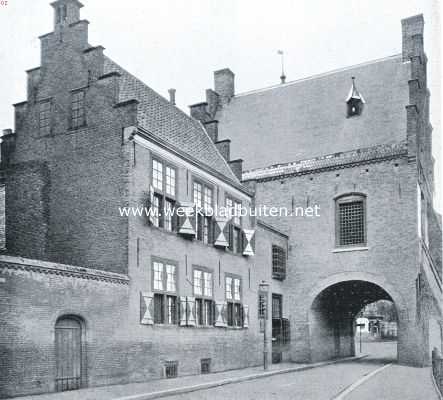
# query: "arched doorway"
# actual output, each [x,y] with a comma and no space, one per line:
[69,352]
[333,314]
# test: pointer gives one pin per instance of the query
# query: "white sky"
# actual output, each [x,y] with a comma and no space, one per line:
[179,43]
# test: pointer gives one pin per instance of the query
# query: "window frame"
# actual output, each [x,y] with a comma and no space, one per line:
[353,102]
[235,303]
[279,272]
[165,293]
[350,198]
[71,109]
[203,298]
[234,225]
[200,221]
[162,193]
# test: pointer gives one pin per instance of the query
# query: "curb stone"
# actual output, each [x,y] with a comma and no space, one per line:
[227,381]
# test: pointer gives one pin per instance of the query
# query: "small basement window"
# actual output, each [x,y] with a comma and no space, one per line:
[171,368]
[205,365]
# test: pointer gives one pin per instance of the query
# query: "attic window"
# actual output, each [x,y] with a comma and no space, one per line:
[354,101]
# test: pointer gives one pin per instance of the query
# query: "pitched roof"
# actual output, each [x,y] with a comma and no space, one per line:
[168,123]
[307,118]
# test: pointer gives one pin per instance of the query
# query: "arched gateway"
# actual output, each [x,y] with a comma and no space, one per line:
[330,310]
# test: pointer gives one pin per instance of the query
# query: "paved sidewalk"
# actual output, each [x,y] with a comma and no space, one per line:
[166,387]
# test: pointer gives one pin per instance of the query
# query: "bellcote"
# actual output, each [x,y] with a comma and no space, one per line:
[354,101]
[66,12]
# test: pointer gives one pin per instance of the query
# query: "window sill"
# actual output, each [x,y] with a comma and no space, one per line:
[77,129]
[346,249]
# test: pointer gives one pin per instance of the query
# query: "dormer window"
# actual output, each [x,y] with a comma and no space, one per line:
[354,101]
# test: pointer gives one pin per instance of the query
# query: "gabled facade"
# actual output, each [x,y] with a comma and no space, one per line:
[94,289]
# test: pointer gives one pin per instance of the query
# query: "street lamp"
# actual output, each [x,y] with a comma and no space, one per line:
[263,295]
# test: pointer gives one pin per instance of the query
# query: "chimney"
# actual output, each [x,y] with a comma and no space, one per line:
[224,85]
[66,12]
[172,96]
[412,36]
[212,129]
[237,167]
[224,148]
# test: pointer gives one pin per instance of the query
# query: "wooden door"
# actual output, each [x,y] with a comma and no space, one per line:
[68,351]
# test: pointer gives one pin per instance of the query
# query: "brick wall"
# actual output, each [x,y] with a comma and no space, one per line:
[32,299]
[391,257]
[84,169]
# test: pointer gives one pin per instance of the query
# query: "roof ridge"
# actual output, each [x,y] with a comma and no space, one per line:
[316,76]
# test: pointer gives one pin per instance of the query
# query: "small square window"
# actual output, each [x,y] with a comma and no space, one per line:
[171,369]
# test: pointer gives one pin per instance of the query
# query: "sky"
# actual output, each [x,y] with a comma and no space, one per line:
[177,43]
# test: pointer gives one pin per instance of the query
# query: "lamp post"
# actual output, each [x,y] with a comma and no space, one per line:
[263,293]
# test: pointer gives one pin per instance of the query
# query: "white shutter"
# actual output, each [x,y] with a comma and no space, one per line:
[191,311]
[248,234]
[245,316]
[220,319]
[183,311]
[151,202]
[146,308]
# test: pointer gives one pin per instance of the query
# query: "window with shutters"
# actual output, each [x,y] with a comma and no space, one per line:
[164,182]
[278,262]
[233,300]
[45,117]
[235,225]
[78,114]
[351,220]
[203,290]
[164,286]
[203,198]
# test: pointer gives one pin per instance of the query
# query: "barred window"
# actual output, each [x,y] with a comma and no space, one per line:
[351,220]
[78,109]
[45,117]
[278,262]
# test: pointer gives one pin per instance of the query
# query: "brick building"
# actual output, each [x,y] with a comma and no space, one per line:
[358,143]
[137,297]
[90,296]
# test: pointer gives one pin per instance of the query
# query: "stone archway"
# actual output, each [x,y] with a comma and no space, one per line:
[332,317]
[304,344]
